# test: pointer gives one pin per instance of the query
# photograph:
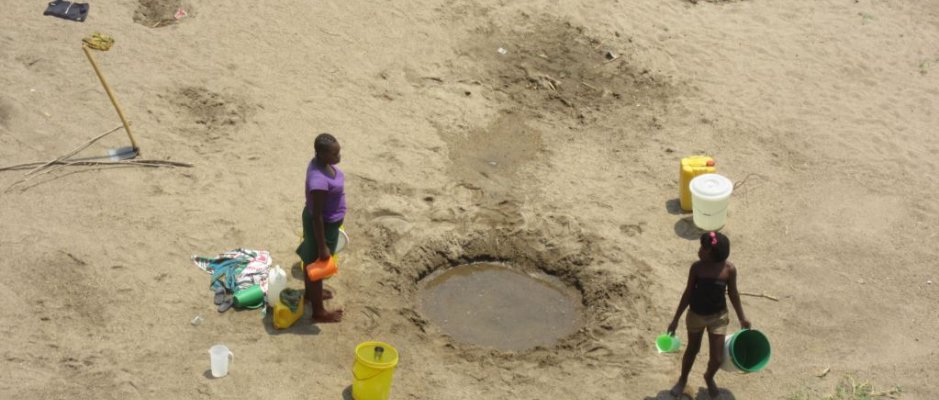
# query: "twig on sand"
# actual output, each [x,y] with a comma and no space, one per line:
[328,32]
[763,295]
[744,180]
[85,163]
[57,165]
[74,151]
[824,372]
[45,167]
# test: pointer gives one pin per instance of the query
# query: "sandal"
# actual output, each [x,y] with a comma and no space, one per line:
[225,305]
[219,295]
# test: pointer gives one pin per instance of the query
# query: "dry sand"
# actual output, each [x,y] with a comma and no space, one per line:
[831,105]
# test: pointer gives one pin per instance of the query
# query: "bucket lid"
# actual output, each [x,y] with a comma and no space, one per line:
[365,354]
[711,186]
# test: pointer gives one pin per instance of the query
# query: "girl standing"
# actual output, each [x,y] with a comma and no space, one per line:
[711,279]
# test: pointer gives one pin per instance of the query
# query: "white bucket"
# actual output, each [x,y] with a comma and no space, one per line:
[710,195]
[220,357]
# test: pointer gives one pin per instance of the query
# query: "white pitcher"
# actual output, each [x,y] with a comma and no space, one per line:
[220,357]
[276,282]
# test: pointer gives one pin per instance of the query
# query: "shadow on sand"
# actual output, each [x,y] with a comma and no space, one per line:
[673,206]
[685,228]
[701,395]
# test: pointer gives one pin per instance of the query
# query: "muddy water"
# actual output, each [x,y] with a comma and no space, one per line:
[495,306]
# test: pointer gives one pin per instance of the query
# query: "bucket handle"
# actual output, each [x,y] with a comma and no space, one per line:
[370,377]
[231,356]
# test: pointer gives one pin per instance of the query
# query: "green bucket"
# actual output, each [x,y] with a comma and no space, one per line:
[748,350]
[252,297]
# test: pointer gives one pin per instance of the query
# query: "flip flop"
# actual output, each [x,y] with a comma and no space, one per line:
[219,295]
[226,304]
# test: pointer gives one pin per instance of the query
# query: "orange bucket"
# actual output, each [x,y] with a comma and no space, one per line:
[322,269]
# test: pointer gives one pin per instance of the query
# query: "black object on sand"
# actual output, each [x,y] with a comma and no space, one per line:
[67,10]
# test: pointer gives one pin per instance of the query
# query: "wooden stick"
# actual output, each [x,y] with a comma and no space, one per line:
[763,295]
[66,155]
[102,165]
[107,89]
[141,162]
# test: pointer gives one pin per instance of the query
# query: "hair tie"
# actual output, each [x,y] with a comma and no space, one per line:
[713,239]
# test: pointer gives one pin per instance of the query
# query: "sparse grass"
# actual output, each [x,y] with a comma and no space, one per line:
[924,66]
[850,389]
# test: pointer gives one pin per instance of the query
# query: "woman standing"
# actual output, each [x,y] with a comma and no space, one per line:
[323,214]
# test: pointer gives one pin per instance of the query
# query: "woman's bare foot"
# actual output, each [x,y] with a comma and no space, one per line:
[328,316]
[712,387]
[678,389]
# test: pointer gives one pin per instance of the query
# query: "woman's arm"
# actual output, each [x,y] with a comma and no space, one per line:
[319,231]
[735,297]
[683,303]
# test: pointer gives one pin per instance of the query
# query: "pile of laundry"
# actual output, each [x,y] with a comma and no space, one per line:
[239,277]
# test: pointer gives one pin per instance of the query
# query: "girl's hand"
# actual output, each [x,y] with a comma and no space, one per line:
[745,323]
[672,326]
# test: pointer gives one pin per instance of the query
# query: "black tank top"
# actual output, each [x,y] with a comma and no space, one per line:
[708,297]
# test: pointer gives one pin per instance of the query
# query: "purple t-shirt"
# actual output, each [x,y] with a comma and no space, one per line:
[335,208]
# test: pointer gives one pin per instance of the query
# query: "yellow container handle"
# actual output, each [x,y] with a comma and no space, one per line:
[380,371]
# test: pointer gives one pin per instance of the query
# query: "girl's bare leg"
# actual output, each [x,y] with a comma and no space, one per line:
[714,362]
[319,310]
[687,361]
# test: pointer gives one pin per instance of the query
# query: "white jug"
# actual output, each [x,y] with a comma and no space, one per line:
[220,357]
[276,282]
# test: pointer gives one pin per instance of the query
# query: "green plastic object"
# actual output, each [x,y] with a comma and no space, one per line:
[252,297]
[750,350]
[666,343]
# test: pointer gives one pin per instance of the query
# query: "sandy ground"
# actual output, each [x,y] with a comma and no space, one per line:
[548,156]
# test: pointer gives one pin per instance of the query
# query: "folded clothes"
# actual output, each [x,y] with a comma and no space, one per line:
[67,10]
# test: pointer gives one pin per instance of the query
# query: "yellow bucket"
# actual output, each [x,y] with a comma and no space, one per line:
[373,370]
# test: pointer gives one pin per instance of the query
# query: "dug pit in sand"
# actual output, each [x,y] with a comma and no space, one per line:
[493,305]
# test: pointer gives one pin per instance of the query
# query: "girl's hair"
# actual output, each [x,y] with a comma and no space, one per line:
[718,244]
[323,142]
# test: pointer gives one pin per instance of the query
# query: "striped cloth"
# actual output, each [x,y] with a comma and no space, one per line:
[236,269]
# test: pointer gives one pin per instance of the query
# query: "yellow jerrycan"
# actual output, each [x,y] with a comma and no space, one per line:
[284,317]
[691,167]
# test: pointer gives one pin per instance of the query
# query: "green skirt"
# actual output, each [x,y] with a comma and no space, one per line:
[308,250]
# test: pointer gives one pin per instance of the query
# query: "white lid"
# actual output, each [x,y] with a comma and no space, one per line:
[711,186]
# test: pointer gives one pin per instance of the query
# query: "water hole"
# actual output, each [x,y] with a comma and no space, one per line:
[493,305]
